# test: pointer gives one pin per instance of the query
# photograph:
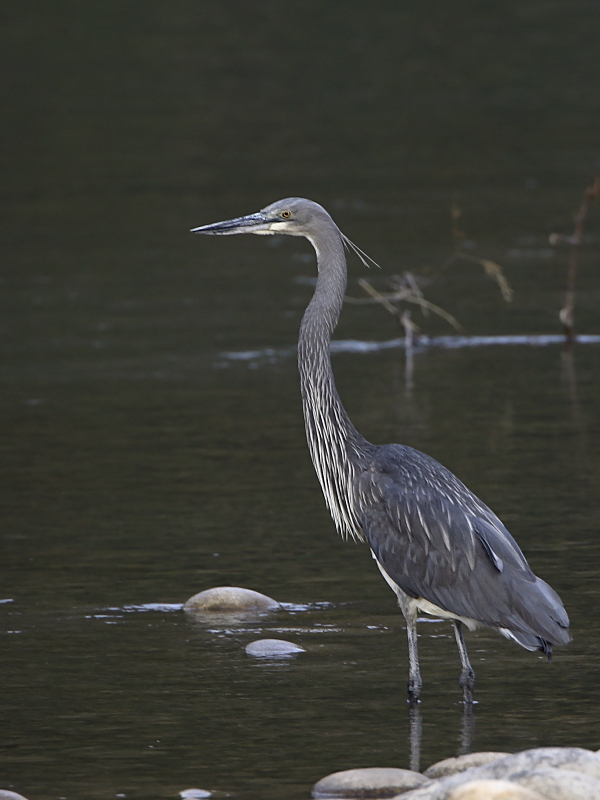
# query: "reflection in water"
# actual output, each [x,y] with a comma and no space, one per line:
[467,729]
[415,720]
[569,377]
[416,734]
[409,329]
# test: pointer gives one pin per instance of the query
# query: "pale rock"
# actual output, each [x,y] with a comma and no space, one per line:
[230,600]
[273,648]
[450,766]
[370,782]
[493,790]
[572,758]
[6,794]
[514,767]
[560,784]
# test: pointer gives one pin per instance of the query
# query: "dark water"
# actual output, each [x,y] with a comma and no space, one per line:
[141,465]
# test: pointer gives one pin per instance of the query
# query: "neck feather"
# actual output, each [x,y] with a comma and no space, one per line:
[337,450]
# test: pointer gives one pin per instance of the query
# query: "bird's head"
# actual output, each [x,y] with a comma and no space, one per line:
[293,216]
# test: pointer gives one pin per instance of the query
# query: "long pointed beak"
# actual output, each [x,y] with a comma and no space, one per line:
[253,223]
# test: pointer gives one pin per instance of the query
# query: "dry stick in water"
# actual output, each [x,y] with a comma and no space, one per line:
[407,283]
[408,290]
[387,300]
[404,318]
[566,313]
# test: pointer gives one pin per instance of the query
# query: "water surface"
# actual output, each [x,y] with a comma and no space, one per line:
[142,464]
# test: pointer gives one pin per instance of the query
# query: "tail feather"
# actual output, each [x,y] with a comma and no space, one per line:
[538,620]
[529,642]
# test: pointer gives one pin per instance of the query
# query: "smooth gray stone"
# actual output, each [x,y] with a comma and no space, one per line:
[273,648]
[541,758]
[450,766]
[560,784]
[367,783]
[230,600]
[6,794]
[194,794]
[494,790]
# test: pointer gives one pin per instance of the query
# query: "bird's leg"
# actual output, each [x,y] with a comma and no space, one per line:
[467,676]
[414,673]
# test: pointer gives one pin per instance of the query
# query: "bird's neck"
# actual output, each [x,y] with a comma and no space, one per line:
[338,451]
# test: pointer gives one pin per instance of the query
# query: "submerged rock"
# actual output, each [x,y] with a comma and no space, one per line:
[273,648]
[450,766]
[194,794]
[494,790]
[230,600]
[368,783]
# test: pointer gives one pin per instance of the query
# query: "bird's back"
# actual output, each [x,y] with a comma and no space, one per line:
[437,541]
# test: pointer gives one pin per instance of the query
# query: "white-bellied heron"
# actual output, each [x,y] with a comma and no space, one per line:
[441,550]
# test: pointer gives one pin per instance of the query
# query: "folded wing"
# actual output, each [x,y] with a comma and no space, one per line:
[439,542]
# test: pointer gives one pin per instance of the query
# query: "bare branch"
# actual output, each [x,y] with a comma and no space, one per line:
[385,301]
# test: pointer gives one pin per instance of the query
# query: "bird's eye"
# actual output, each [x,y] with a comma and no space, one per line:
[286,214]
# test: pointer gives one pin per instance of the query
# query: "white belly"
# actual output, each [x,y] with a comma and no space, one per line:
[411,605]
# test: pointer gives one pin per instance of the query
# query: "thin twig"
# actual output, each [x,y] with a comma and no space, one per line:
[377,297]
[407,283]
[384,300]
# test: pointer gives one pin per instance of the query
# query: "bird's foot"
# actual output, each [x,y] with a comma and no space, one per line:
[414,691]
[467,700]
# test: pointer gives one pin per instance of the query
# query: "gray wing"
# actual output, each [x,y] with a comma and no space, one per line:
[438,541]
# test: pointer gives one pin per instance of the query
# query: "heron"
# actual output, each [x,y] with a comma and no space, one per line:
[438,546]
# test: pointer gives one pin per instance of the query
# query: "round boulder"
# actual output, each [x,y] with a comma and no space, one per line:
[230,600]
[368,783]
[273,648]
[494,790]
[450,766]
